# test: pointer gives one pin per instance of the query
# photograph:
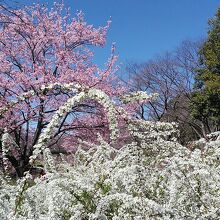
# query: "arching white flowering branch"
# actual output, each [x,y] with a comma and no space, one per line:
[74,87]
[94,94]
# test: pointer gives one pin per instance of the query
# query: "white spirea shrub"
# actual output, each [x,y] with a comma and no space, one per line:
[150,177]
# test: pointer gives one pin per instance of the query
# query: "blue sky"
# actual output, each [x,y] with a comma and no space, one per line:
[145,28]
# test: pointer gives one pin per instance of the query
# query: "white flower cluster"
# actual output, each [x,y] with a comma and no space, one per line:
[19,99]
[7,143]
[67,86]
[150,177]
[74,87]
[5,148]
[139,96]
[148,130]
[161,181]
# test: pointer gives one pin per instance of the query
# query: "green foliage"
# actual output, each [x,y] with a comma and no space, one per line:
[205,104]
[19,201]
[86,199]
[210,56]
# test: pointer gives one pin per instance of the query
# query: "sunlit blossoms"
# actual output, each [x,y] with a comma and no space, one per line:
[151,177]
[46,57]
[72,146]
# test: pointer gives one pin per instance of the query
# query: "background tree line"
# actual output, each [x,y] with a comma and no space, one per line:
[188,83]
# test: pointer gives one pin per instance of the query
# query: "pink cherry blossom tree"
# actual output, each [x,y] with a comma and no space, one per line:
[42,47]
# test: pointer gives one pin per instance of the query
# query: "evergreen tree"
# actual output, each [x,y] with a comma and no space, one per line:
[205,104]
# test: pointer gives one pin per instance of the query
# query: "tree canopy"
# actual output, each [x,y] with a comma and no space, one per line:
[205,104]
